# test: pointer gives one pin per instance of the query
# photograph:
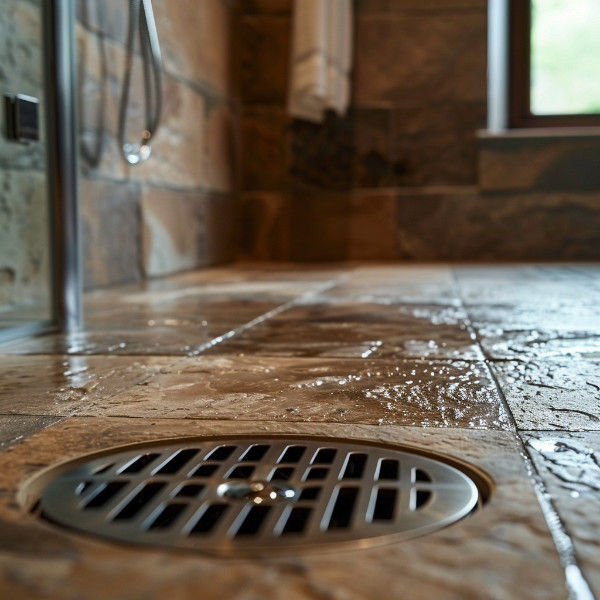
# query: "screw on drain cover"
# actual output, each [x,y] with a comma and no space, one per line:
[240,495]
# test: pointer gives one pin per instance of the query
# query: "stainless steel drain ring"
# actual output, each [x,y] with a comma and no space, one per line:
[240,495]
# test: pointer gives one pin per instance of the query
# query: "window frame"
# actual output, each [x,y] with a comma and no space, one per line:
[520,115]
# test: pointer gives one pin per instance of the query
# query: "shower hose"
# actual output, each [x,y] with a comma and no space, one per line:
[141,17]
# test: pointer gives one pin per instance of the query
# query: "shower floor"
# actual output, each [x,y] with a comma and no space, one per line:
[496,365]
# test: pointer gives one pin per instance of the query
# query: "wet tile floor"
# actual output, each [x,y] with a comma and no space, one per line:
[496,365]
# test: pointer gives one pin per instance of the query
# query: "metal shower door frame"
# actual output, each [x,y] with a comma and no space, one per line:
[62,157]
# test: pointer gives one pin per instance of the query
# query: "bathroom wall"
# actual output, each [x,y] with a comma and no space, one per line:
[24,232]
[176,211]
[404,175]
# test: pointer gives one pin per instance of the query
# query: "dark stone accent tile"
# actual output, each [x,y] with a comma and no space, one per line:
[462,225]
[373,233]
[402,60]
[319,225]
[568,463]
[322,154]
[539,163]
[265,143]
[372,6]
[561,393]
[264,59]
[110,211]
[266,7]
[265,225]
[436,144]
[221,229]
[372,147]
[439,6]
[347,330]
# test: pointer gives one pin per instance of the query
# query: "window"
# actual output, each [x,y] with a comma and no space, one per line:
[555,63]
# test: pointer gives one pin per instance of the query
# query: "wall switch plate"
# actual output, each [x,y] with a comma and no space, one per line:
[22,118]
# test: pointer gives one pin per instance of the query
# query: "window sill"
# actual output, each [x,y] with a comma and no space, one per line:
[541,133]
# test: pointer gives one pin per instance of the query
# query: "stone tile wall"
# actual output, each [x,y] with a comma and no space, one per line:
[341,189]
[175,211]
[404,175]
[24,232]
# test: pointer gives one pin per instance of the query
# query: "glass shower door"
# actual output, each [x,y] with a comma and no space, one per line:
[26,289]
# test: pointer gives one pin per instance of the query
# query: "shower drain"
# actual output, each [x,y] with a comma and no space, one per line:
[236,495]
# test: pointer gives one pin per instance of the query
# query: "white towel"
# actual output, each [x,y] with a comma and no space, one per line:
[321,58]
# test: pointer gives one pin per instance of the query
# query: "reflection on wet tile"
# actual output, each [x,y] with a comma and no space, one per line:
[360,330]
[425,393]
[411,284]
[569,464]
[15,428]
[558,394]
[189,312]
[59,385]
[540,327]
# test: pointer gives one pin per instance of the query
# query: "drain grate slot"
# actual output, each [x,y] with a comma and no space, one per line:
[324,456]
[221,453]
[167,516]
[355,466]
[106,493]
[282,474]
[421,475]
[421,498]
[241,472]
[177,462]
[205,471]
[310,493]
[385,504]
[388,469]
[292,454]
[255,453]
[139,464]
[316,473]
[343,508]
[297,520]
[190,491]
[139,501]
[253,521]
[210,518]
[241,495]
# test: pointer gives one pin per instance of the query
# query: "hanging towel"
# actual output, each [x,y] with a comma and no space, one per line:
[321,58]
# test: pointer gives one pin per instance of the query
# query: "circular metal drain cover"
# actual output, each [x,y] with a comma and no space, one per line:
[239,495]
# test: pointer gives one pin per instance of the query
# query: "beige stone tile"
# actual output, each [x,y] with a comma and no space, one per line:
[110,207]
[569,464]
[173,236]
[424,393]
[443,58]
[504,551]
[562,393]
[24,241]
[196,40]
[59,385]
